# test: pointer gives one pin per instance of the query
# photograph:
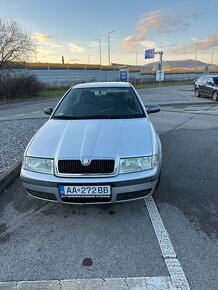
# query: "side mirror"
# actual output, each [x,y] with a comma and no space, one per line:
[153,109]
[210,83]
[48,111]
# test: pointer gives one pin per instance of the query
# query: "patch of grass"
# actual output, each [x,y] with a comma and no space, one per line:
[44,93]
[52,93]
[55,91]
[163,84]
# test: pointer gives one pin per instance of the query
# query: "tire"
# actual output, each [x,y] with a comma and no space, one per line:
[197,94]
[215,96]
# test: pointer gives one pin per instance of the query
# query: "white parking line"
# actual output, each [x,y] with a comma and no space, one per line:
[176,272]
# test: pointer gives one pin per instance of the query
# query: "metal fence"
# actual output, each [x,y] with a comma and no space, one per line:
[70,74]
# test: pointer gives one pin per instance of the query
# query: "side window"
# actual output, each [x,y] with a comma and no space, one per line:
[210,80]
[200,80]
[204,80]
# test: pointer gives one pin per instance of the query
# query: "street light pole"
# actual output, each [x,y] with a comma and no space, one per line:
[196,53]
[109,60]
[136,57]
[88,57]
[212,54]
[99,40]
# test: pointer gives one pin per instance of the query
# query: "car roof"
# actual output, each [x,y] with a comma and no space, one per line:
[209,76]
[102,84]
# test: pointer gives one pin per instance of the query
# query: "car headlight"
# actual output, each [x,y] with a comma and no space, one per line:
[136,164]
[41,165]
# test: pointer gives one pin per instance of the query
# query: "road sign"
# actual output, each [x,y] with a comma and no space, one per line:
[124,74]
[149,53]
[159,75]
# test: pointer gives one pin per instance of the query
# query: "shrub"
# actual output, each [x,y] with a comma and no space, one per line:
[18,85]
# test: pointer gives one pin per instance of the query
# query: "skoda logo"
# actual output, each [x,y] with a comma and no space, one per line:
[85,161]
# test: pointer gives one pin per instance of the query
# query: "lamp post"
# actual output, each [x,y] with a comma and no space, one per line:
[196,51]
[99,40]
[88,57]
[109,60]
[136,57]
[212,53]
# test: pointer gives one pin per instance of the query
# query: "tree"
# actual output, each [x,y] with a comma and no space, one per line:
[16,44]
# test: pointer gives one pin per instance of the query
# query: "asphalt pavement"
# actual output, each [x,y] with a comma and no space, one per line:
[42,240]
[150,96]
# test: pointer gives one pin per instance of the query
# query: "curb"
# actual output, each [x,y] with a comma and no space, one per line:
[141,283]
[186,104]
[9,175]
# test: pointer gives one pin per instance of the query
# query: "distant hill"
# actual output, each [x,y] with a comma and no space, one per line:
[188,63]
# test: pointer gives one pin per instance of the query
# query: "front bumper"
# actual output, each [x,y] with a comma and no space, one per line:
[124,187]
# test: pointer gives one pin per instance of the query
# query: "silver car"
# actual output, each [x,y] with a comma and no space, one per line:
[98,146]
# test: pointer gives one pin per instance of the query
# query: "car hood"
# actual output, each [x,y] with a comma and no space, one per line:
[92,138]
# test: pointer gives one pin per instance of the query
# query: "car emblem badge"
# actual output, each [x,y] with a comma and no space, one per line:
[85,161]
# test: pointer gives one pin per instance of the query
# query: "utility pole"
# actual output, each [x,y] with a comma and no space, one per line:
[109,57]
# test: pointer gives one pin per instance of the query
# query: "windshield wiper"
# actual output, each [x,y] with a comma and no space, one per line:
[66,117]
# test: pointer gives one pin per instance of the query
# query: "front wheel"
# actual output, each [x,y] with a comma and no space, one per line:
[215,96]
[197,94]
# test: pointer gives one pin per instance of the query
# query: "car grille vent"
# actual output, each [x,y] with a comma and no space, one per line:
[95,167]
[45,195]
[132,195]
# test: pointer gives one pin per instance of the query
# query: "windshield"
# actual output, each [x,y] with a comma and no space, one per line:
[99,103]
[215,80]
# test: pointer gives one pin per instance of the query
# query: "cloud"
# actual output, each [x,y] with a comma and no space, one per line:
[203,44]
[130,43]
[166,31]
[148,43]
[93,43]
[76,48]
[53,45]
[168,45]
[42,37]
[44,52]
[160,20]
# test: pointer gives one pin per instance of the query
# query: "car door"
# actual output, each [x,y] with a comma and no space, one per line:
[209,87]
[202,87]
[197,83]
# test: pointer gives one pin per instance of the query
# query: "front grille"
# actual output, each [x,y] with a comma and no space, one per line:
[95,167]
[134,194]
[45,195]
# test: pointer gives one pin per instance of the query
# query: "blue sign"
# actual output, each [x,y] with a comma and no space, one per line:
[149,53]
[124,74]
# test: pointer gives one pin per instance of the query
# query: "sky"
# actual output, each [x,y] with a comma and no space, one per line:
[70,28]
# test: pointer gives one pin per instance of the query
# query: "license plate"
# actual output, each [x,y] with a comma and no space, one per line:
[85,191]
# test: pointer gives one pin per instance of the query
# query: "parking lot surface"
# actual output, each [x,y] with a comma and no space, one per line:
[42,240]
[20,121]
[150,96]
